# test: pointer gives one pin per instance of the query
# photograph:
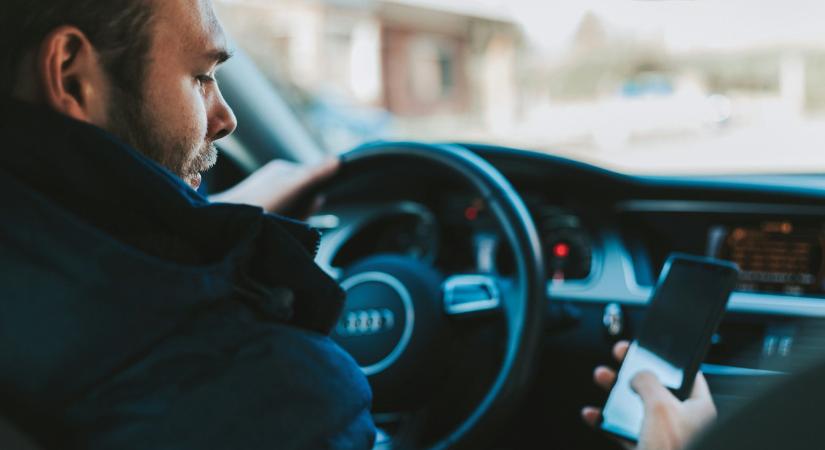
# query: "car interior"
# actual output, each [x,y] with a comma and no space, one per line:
[568,253]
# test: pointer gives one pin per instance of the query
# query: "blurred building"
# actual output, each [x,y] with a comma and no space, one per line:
[448,66]
[312,44]
[440,61]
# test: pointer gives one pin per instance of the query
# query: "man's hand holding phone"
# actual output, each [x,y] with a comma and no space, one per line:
[669,424]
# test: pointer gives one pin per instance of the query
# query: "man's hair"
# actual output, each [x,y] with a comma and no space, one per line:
[119,30]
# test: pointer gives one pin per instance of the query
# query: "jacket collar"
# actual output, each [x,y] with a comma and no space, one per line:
[92,175]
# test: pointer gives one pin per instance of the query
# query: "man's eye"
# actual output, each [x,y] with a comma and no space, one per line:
[204,79]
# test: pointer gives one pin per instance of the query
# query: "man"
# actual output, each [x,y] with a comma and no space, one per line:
[134,313]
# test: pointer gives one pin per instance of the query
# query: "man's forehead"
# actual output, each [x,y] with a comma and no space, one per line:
[192,23]
[211,23]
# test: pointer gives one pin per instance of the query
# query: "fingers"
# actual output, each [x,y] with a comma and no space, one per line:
[329,167]
[288,186]
[591,415]
[280,184]
[299,176]
[323,171]
[604,377]
[620,350]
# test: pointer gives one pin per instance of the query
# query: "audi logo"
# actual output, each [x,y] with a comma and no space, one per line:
[365,322]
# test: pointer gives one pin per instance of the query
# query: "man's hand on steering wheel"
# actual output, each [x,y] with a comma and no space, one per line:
[281,187]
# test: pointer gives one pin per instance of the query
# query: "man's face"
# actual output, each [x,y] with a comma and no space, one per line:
[180,111]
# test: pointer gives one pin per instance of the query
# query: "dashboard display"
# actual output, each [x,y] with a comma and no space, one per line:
[775,257]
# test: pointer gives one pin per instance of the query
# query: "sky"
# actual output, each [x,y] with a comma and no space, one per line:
[684,25]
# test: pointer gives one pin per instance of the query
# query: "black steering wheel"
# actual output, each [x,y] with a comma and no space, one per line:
[398,309]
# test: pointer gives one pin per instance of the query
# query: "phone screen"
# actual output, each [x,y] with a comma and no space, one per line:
[685,311]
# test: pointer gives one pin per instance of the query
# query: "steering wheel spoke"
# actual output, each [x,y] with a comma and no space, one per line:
[336,273]
[471,295]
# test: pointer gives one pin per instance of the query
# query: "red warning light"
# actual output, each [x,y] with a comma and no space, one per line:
[561,250]
[471,213]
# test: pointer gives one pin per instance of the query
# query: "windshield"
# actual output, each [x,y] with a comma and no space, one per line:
[654,86]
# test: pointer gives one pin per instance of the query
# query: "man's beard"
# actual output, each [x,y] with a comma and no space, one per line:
[132,121]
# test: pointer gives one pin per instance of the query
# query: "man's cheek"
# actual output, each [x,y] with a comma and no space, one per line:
[190,115]
[197,112]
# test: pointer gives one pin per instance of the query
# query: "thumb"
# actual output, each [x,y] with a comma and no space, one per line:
[700,387]
[650,389]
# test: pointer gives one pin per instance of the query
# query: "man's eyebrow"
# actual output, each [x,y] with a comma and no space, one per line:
[220,56]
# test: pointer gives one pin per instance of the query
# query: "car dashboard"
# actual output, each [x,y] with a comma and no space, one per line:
[605,237]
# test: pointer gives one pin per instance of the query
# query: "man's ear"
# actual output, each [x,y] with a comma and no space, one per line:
[72,78]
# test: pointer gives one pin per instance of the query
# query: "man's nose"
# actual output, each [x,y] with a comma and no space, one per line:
[222,121]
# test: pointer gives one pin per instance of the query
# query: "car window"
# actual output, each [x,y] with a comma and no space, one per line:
[664,87]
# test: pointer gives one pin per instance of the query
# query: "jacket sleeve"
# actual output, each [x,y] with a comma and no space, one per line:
[290,389]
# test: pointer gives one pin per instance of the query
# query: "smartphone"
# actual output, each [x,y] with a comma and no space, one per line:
[682,316]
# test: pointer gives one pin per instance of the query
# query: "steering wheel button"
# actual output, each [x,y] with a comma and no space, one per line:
[465,294]
[470,294]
